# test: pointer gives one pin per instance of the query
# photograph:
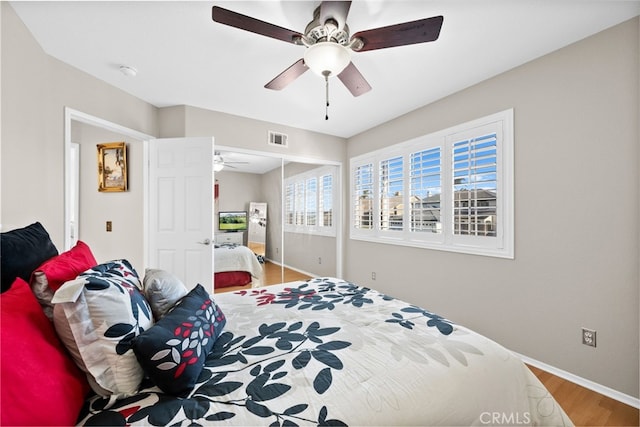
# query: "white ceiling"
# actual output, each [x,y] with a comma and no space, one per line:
[183,57]
[240,161]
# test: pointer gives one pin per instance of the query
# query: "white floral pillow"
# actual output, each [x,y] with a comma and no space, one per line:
[98,315]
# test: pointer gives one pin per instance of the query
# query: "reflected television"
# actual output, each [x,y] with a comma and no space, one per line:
[232,221]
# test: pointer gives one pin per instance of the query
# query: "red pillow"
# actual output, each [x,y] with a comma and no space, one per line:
[67,265]
[41,385]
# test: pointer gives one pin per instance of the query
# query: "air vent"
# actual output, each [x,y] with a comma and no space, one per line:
[276,138]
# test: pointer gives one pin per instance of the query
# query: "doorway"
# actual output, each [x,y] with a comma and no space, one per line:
[99,208]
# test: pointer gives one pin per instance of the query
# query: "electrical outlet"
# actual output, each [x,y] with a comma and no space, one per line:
[589,337]
[319,260]
[109,226]
[373,275]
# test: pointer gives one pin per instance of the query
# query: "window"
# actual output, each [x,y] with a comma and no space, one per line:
[309,203]
[363,203]
[451,190]
[299,203]
[391,199]
[289,213]
[326,200]
[311,200]
[475,183]
[425,189]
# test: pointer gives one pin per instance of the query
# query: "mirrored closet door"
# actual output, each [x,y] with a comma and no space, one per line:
[251,183]
[301,211]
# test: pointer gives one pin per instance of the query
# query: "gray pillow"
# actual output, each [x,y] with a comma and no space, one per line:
[162,291]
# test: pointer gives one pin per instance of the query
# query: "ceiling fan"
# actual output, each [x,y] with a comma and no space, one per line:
[219,163]
[329,45]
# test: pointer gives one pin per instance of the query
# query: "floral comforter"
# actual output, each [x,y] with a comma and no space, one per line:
[329,352]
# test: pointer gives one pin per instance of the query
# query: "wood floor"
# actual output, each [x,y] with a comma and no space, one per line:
[272,275]
[586,407]
[583,406]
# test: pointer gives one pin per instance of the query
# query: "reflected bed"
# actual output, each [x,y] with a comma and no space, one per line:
[236,265]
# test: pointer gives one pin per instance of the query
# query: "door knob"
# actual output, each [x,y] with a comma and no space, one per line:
[205,242]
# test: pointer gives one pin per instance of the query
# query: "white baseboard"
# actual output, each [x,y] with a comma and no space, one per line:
[591,385]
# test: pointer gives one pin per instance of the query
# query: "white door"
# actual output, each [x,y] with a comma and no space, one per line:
[181,209]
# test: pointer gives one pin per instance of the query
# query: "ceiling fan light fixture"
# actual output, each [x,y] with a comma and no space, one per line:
[327,56]
[217,167]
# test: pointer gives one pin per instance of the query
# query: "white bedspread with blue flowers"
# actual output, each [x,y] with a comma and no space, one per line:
[329,352]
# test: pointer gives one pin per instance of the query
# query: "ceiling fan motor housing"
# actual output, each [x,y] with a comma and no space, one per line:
[328,31]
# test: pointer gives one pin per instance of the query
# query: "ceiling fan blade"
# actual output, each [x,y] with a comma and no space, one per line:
[253,25]
[288,75]
[420,31]
[354,81]
[338,10]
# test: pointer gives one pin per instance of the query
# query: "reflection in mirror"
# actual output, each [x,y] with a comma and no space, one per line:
[311,193]
[249,182]
[302,203]
[257,231]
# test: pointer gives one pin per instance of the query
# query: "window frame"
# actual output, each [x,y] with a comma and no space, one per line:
[301,181]
[501,245]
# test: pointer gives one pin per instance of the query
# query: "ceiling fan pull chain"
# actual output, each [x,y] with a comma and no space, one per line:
[326,83]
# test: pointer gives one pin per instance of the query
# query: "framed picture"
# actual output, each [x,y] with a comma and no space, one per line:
[112,166]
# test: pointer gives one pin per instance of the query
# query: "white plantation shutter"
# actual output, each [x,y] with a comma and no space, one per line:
[475,186]
[298,202]
[363,197]
[288,205]
[309,201]
[425,190]
[450,190]
[391,178]
[326,200]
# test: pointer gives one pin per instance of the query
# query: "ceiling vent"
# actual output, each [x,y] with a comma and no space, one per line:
[279,139]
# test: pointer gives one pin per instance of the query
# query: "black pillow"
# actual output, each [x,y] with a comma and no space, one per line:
[172,352]
[22,251]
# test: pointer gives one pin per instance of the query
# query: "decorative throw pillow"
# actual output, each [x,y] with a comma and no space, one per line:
[105,310]
[162,290]
[173,351]
[40,383]
[49,276]
[22,250]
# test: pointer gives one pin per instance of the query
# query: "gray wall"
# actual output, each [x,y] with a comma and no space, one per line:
[241,132]
[124,210]
[576,213]
[35,90]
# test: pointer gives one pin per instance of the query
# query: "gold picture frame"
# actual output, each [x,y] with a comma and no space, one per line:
[112,167]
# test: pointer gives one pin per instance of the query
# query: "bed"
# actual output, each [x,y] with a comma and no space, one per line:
[236,265]
[319,352]
[329,352]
